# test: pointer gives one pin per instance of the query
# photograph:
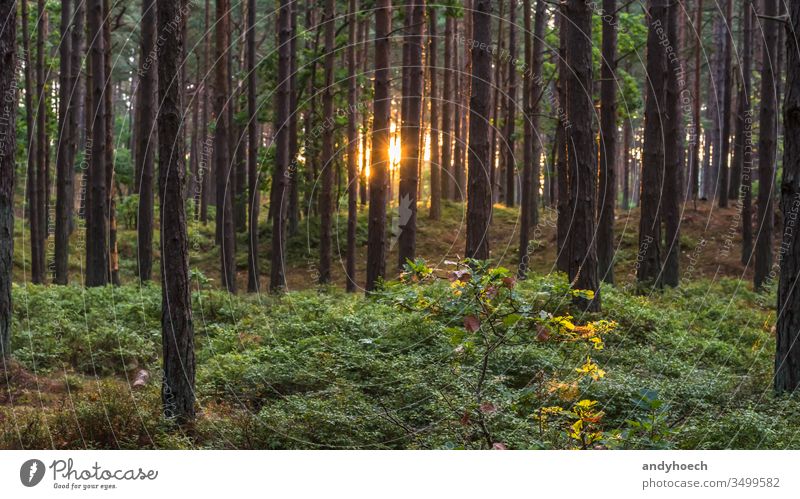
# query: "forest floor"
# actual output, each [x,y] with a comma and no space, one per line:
[687,368]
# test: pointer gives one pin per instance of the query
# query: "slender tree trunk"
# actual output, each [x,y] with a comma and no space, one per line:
[41,185]
[787,355]
[537,92]
[511,107]
[724,180]
[362,181]
[457,187]
[527,155]
[66,85]
[177,331]
[279,178]
[694,167]
[108,116]
[436,168]
[33,204]
[581,156]
[96,221]
[479,193]
[627,131]
[206,148]
[767,145]
[673,150]
[496,101]
[410,131]
[743,149]
[607,194]
[352,148]
[146,145]
[376,237]
[447,110]
[252,152]
[294,184]
[649,251]
[563,222]
[8,147]
[326,206]
[222,158]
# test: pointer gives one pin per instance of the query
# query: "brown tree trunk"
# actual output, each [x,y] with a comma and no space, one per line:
[278,209]
[222,158]
[649,251]
[96,221]
[563,222]
[511,108]
[607,194]
[146,145]
[496,101]
[31,194]
[447,110]
[527,155]
[38,258]
[108,116]
[627,131]
[479,187]
[64,154]
[767,145]
[376,237]
[252,153]
[8,147]
[410,131]
[328,161]
[694,166]
[206,147]
[724,180]
[581,156]
[436,168]
[177,332]
[352,149]
[743,148]
[362,181]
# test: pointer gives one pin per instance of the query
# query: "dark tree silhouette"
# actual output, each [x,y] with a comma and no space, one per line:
[252,152]
[146,145]
[352,148]
[607,194]
[8,148]
[511,108]
[743,150]
[328,161]
[64,154]
[447,174]
[436,168]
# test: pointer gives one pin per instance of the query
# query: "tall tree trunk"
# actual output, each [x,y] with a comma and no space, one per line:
[673,150]
[41,185]
[206,180]
[222,158]
[457,187]
[496,101]
[627,131]
[607,194]
[108,116]
[96,221]
[724,180]
[376,236]
[436,168]
[447,110]
[30,183]
[743,148]
[537,92]
[66,85]
[410,131]
[479,188]
[362,181]
[694,165]
[564,220]
[294,184]
[326,206]
[581,156]
[527,155]
[511,107]
[177,332]
[352,148]
[649,251]
[767,145]
[252,152]
[278,209]
[8,147]
[787,354]
[146,145]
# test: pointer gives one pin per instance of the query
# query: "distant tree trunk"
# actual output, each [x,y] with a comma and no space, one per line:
[108,116]
[511,107]
[376,237]
[278,210]
[457,187]
[177,332]
[694,166]
[362,181]
[607,194]
[716,98]
[41,185]
[537,92]
[463,82]
[527,155]
[8,147]
[479,187]
[436,168]
[30,183]
[627,131]
[581,156]
[252,152]
[563,222]
[787,355]
[326,206]
[146,145]
[206,180]
[352,148]
[96,221]
[410,130]
[294,184]
[222,157]
[673,151]
[767,144]
[649,251]
[724,180]
[447,112]
[743,148]
[496,101]
[66,85]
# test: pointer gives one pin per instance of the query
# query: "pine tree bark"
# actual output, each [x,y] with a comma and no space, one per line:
[278,199]
[563,223]
[108,116]
[8,148]
[252,153]
[435,212]
[328,161]
[96,220]
[496,102]
[205,194]
[352,148]
[479,187]
[31,174]
[724,177]
[41,185]
[410,131]
[64,153]
[581,155]
[607,194]
[527,154]
[649,251]
[694,165]
[376,231]
[146,145]
[743,148]
[511,109]
[767,145]
[222,158]
[177,331]
[447,111]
